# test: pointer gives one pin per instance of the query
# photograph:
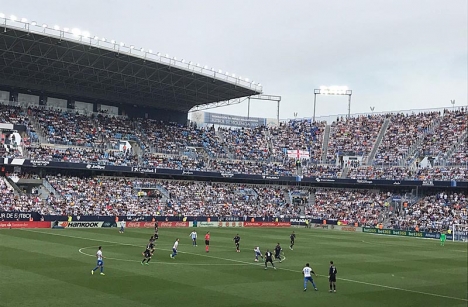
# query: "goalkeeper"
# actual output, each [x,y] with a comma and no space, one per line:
[443,237]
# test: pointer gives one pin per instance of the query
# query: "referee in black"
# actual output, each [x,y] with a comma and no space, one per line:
[237,242]
[332,277]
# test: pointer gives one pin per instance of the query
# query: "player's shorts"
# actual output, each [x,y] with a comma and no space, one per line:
[277,256]
[292,242]
[308,279]
[442,239]
[100,263]
[332,278]
[174,251]
[207,242]
[156,236]
[269,260]
[237,244]
[121,228]
[147,254]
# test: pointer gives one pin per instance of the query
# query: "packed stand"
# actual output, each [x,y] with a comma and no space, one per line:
[433,213]
[298,134]
[248,143]
[11,202]
[402,133]
[365,208]
[82,155]
[448,132]
[353,136]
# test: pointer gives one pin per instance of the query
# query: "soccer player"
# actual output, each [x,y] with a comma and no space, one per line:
[174,248]
[292,237]
[332,276]
[148,253]
[152,240]
[207,242]
[269,258]
[443,237]
[257,253]
[278,250]
[100,261]
[307,272]
[156,230]
[122,226]
[236,241]
[193,235]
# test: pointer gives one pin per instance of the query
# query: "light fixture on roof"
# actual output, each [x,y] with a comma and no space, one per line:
[44,25]
[150,51]
[2,15]
[167,55]
[122,44]
[206,67]
[234,75]
[86,34]
[174,58]
[247,79]
[66,29]
[131,46]
[56,27]
[333,90]
[183,61]
[76,31]
[24,20]
[220,71]
[113,41]
[96,38]
[13,17]
[103,39]
[142,49]
[158,54]
[33,23]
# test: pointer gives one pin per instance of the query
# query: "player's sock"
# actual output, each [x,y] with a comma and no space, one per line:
[331,287]
[102,269]
[313,284]
[148,260]
[305,284]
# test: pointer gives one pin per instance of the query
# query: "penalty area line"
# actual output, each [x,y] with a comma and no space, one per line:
[257,264]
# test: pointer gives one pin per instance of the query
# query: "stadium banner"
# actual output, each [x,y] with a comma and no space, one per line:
[405,233]
[160,224]
[184,173]
[17,224]
[19,216]
[66,224]
[232,120]
[346,228]
[267,224]
[231,224]
[207,224]
[109,224]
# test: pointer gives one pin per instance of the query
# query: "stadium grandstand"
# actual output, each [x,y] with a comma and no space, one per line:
[82,116]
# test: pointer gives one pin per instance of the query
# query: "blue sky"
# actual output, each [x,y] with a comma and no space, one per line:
[393,54]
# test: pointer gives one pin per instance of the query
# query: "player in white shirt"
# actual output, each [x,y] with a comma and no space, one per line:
[193,235]
[307,272]
[257,253]
[122,226]
[174,249]
[100,261]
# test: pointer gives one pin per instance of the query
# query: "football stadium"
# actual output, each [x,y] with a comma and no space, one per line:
[120,187]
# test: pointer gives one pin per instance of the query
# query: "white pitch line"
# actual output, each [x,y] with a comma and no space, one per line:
[256,264]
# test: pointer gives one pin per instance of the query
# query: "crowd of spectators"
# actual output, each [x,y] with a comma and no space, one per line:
[436,212]
[365,208]
[133,197]
[354,136]
[260,151]
[403,132]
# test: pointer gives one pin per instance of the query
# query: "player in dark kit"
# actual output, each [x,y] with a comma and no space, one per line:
[236,241]
[332,276]
[292,237]
[156,230]
[148,253]
[278,250]
[269,258]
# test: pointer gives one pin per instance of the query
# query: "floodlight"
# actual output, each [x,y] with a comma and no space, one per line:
[174,58]
[167,55]
[183,61]
[76,31]
[247,79]
[2,15]
[131,46]
[86,34]
[220,71]
[234,75]
[13,17]
[206,67]
[113,41]
[103,39]
[240,78]
[66,29]
[96,38]
[158,54]
[33,23]
[150,51]
[122,44]
[333,90]
[44,25]
[24,20]
[56,27]
[142,50]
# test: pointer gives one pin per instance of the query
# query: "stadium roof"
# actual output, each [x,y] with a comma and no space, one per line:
[76,65]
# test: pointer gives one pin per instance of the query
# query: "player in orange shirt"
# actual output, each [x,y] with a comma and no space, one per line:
[207,242]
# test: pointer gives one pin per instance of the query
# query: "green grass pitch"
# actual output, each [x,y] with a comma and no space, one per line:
[47,267]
